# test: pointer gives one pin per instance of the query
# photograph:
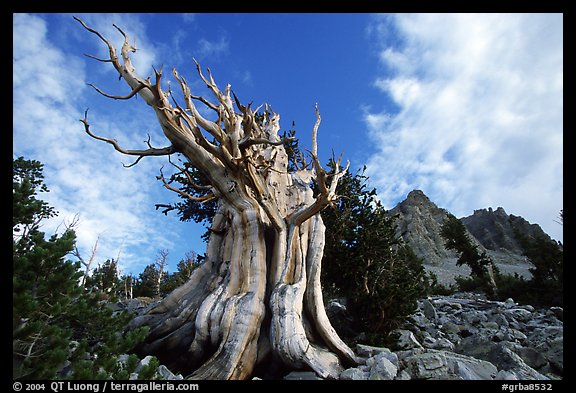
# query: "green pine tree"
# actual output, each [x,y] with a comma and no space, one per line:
[185,267]
[145,286]
[483,269]
[105,282]
[546,287]
[366,262]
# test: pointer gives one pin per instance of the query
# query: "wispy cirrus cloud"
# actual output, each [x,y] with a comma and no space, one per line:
[213,48]
[480,112]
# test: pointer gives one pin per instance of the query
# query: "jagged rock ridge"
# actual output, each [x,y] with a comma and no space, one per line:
[494,229]
[419,222]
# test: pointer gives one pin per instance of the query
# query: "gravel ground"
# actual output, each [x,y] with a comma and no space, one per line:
[448,270]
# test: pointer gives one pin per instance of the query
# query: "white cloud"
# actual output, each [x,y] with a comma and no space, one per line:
[404,91]
[480,117]
[247,78]
[213,48]
[86,176]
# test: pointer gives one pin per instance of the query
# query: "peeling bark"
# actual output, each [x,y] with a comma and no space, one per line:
[258,292]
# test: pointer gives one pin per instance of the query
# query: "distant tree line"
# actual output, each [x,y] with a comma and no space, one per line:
[153,282]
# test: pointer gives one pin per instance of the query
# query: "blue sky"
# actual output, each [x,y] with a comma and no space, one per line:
[466,107]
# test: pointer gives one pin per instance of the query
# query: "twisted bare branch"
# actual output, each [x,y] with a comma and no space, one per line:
[126,97]
[202,199]
[164,151]
[315,132]
[192,183]
[327,195]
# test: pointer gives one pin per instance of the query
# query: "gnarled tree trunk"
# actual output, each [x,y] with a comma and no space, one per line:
[258,292]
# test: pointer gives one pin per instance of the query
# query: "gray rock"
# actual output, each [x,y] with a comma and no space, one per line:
[428,341]
[451,327]
[403,355]
[463,371]
[499,336]
[427,366]
[475,346]
[143,362]
[558,312]
[444,344]
[505,359]
[509,303]
[429,310]
[367,351]
[419,222]
[448,306]
[545,335]
[407,340]
[434,331]
[122,359]
[474,317]
[354,374]
[527,307]
[302,376]
[490,325]
[164,373]
[138,305]
[509,335]
[518,340]
[531,357]
[553,352]
[499,319]
[447,365]
[516,335]
[337,305]
[495,229]
[472,368]
[518,314]
[403,375]
[383,369]
[420,320]
[390,356]
[504,375]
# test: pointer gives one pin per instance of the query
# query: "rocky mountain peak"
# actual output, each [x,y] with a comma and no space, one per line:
[417,200]
[417,195]
[418,221]
[494,229]
[489,212]
[499,211]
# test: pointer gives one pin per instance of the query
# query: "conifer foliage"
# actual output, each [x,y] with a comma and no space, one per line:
[481,265]
[365,262]
[59,329]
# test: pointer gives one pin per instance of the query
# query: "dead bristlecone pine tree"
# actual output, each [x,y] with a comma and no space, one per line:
[257,297]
